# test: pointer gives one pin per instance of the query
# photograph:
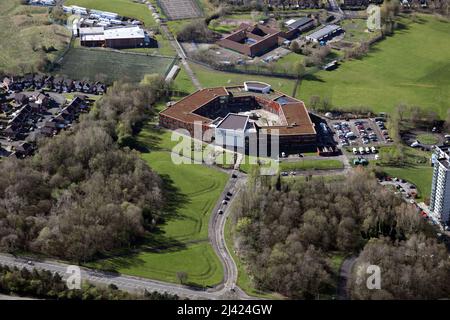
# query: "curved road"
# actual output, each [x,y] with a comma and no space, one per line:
[344,275]
[216,232]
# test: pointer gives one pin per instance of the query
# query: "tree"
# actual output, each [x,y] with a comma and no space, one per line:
[197,31]
[447,121]
[314,102]
[182,277]
[298,69]
[286,233]
[417,268]
[295,47]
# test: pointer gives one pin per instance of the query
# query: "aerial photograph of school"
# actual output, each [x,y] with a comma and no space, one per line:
[224,150]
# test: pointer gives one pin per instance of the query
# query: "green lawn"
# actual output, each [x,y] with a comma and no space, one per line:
[412,67]
[427,138]
[126,8]
[198,187]
[306,164]
[183,82]
[164,48]
[213,78]
[182,241]
[328,164]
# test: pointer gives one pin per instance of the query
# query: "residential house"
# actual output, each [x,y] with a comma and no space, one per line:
[20,98]
[68,85]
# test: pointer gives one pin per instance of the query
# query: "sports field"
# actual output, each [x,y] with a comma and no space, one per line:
[182,243]
[180,9]
[126,8]
[109,66]
[411,67]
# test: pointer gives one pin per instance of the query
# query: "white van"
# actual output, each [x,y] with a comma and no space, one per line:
[361,150]
[355,151]
[350,135]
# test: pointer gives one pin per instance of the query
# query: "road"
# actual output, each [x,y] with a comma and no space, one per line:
[344,275]
[176,45]
[123,282]
[334,6]
[217,238]
[179,50]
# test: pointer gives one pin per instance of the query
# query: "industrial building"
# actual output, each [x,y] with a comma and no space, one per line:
[440,187]
[325,34]
[300,25]
[117,38]
[233,115]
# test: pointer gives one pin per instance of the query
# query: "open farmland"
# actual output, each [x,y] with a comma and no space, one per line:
[109,66]
[27,38]
[125,8]
[411,67]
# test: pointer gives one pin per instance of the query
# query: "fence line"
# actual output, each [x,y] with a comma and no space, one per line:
[62,55]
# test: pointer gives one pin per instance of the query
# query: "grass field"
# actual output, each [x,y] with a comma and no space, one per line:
[193,191]
[427,138]
[411,67]
[164,48]
[210,78]
[126,8]
[183,82]
[311,165]
[326,164]
[24,31]
[109,66]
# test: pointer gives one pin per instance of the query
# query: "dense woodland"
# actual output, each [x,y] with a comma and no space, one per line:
[286,232]
[46,285]
[82,195]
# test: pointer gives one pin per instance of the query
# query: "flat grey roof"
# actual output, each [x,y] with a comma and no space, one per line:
[233,122]
[324,31]
[300,22]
